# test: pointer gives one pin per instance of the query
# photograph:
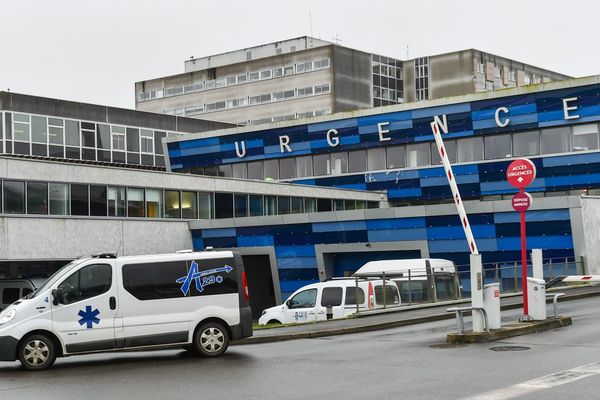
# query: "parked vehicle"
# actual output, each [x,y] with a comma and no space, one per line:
[12,290]
[310,302]
[105,303]
[418,280]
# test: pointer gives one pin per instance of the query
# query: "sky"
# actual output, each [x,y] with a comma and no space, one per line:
[94,51]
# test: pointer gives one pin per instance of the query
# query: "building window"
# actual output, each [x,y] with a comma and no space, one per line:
[39,129]
[310,205]
[498,146]
[37,198]
[526,143]
[450,146]
[304,166]
[339,163]
[255,170]
[270,207]
[59,198]
[422,78]
[21,126]
[147,141]
[287,168]
[133,139]
[172,204]
[395,157]
[14,197]
[357,161]
[585,137]
[72,133]
[256,205]
[135,203]
[297,205]
[239,170]
[154,203]
[417,155]
[79,200]
[324,205]
[116,201]
[205,209]
[321,164]
[55,130]
[88,134]
[283,205]
[376,159]
[118,138]
[98,201]
[470,149]
[556,140]
[241,205]
[223,205]
[271,169]
[189,205]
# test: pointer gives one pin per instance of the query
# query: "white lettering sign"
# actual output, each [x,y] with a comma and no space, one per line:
[504,123]
[332,141]
[284,143]
[567,108]
[383,131]
[240,153]
[442,123]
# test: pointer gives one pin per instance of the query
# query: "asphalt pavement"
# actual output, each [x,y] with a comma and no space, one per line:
[407,362]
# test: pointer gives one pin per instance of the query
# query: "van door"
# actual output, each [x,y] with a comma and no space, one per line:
[84,317]
[301,307]
[331,296]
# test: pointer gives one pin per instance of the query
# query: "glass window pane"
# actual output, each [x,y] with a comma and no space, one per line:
[154,203]
[338,205]
[133,139]
[310,205]
[241,205]
[225,171]
[59,198]
[98,200]
[417,155]
[158,136]
[271,169]
[297,205]
[14,197]
[89,281]
[498,146]
[189,205]
[324,205]
[450,146]
[103,136]
[526,143]
[240,170]
[357,161]
[79,200]
[375,159]
[71,133]
[585,137]
[339,163]
[116,201]
[304,166]
[270,205]
[21,131]
[205,209]
[255,170]
[135,203]
[470,149]
[556,140]
[39,129]
[396,157]
[256,206]
[172,209]
[283,205]
[287,168]
[223,205]
[37,198]
[321,164]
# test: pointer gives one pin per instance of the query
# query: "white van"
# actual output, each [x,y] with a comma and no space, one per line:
[310,302]
[106,303]
[419,280]
[12,290]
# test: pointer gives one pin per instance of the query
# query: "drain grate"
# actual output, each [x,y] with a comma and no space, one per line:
[510,348]
[447,345]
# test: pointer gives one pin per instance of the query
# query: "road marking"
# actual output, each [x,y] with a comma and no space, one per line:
[545,382]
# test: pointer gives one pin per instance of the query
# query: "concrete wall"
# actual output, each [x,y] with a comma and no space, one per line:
[590,210]
[47,238]
[352,79]
[451,74]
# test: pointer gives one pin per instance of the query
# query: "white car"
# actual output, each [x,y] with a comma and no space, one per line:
[310,302]
[12,290]
[106,303]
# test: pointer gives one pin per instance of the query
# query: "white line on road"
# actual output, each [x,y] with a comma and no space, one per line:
[545,382]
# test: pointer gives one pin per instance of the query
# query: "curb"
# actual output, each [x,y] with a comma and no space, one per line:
[382,325]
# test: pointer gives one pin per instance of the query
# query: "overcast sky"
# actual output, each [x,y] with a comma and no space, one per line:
[94,51]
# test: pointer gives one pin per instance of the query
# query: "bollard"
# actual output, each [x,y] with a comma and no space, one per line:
[384,299]
[409,289]
[356,297]
[329,312]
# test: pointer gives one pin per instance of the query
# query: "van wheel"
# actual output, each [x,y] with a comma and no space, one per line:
[211,339]
[37,352]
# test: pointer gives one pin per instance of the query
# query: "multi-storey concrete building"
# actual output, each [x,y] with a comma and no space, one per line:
[307,77]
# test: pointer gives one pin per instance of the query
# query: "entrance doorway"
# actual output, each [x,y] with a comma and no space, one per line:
[260,283]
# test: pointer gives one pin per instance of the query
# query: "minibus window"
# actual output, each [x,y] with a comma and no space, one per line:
[305,299]
[332,296]
[55,276]
[351,295]
[90,281]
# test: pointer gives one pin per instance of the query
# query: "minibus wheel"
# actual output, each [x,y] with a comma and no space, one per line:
[211,339]
[37,352]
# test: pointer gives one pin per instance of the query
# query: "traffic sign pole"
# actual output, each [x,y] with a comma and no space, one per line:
[524,263]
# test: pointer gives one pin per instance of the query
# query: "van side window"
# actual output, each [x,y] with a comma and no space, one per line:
[332,296]
[90,281]
[26,291]
[152,281]
[10,295]
[351,295]
[391,294]
[305,299]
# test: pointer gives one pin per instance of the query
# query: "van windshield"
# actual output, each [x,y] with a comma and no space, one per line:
[54,277]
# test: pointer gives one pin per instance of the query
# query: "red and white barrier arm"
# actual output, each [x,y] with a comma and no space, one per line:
[582,279]
[455,193]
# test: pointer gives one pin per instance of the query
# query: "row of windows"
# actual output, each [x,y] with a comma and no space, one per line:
[54,198]
[252,100]
[289,117]
[39,135]
[239,79]
[529,143]
[422,78]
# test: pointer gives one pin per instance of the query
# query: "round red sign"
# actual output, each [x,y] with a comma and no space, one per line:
[520,173]
[521,201]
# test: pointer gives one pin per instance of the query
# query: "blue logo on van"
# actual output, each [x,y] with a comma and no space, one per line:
[89,317]
[201,278]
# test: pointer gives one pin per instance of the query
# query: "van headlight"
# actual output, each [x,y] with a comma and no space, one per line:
[8,316]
